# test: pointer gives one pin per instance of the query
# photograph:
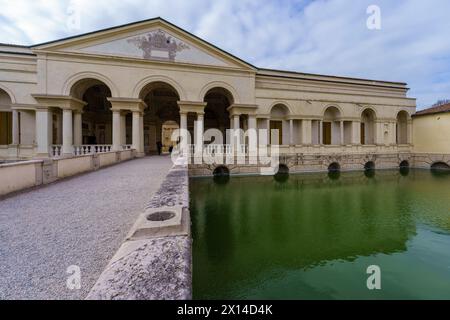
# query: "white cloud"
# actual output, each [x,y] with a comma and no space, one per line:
[321,36]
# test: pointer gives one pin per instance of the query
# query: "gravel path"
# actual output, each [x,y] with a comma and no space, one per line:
[81,221]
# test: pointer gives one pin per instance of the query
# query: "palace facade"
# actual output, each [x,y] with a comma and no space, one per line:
[129,87]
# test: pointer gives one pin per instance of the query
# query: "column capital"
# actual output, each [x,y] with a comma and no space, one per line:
[140,113]
[192,106]
[62,102]
[129,104]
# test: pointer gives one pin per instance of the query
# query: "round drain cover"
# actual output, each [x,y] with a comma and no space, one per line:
[161,216]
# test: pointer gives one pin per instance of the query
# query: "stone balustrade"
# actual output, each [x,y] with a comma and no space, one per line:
[91,149]
[16,176]
[56,150]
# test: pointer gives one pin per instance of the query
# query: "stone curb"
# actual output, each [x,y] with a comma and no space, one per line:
[157,267]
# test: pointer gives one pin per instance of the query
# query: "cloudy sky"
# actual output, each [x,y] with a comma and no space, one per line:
[319,36]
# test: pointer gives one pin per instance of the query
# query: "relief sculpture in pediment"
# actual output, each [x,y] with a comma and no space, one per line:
[158,45]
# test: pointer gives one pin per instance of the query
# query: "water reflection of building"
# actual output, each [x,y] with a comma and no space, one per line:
[250,225]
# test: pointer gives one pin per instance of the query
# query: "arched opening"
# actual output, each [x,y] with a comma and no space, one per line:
[5,118]
[221,171]
[404,164]
[282,174]
[161,117]
[438,166]
[440,169]
[221,175]
[368,127]
[369,169]
[331,127]
[404,168]
[402,127]
[334,171]
[283,169]
[369,166]
[279,126]
[97,115]
[334,167]
[218,100]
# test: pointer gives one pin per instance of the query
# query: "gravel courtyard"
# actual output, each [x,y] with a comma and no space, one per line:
[80,221]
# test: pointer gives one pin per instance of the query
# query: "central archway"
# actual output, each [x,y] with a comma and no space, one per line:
[97,115]
[368,127]
[278,123]
[402,127]
[161,117]
[331,127]
[218,100]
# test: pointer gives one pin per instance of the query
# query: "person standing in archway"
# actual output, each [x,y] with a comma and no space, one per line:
[159,147]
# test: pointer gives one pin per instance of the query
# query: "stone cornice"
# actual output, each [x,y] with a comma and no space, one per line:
[24,107]
[57,101]
[238,109]
[192,106]
[130,104]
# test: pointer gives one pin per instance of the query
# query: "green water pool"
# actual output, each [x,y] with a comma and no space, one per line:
[313,236]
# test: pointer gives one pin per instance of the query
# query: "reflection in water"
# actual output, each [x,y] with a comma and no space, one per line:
[440,173]
[281,177]
[221,179]
[404,171]
[334,174]
[312,237]
[369,173]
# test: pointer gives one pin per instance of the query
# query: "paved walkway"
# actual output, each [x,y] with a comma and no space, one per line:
[81,221]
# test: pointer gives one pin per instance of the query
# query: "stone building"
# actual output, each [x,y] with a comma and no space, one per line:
[432,130]
[123,87]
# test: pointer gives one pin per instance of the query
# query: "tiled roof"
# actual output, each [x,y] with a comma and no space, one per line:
[433,110]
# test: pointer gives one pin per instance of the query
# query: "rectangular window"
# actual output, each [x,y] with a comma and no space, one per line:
[276,125]
[363,133]
[327,133]
[5,128]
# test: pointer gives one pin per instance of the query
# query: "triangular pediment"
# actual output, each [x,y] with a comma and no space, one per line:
[152,40]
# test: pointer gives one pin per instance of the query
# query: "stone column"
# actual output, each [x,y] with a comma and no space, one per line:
[123,128]
[268,131]
[116,132]
[199,130]
[141,133]
[320,132]
[236,126]
[291,132]
[43,132]
[252,134]
[67,146]
[342,132]
[136,132]
[77,128]
[15,128]
[184,143]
